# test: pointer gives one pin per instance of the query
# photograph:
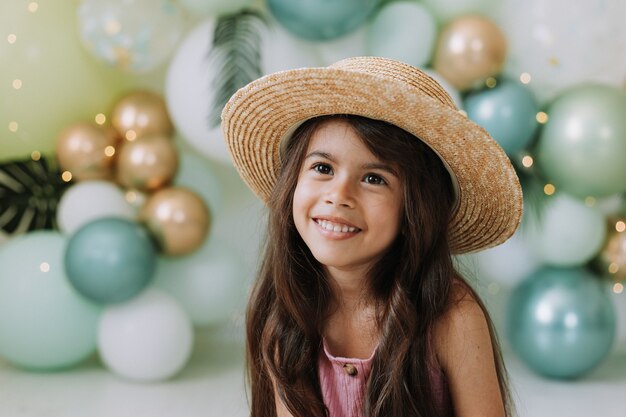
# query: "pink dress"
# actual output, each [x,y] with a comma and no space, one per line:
[343,382]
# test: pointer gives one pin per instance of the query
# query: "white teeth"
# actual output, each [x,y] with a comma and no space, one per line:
[335,227]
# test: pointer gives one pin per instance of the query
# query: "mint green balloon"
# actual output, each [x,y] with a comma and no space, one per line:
[44,323]
[402,30]
[581,149]
[561,322]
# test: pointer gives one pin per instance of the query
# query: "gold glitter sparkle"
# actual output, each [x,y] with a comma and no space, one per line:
[549,189]
[542,117]
[527,161]
[100,118]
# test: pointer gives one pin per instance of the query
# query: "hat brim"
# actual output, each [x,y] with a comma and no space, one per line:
[262,114]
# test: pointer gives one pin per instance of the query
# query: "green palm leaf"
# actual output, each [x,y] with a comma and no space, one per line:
[236,55]
[29,195]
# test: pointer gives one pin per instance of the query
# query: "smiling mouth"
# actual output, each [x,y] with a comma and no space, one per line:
[336,227]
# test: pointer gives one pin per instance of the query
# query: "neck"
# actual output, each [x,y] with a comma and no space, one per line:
[350,290]
[351,330]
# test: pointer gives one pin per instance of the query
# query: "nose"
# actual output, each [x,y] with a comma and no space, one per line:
[340,192]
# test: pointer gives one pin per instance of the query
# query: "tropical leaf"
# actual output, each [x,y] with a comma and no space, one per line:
[29,194]
[235,55]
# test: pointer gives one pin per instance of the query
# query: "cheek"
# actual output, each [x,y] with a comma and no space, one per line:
[299,206]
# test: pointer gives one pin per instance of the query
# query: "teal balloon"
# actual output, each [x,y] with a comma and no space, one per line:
[321,20]
[581,149]
[110,260]
[44,323]
[508,112]
[561,322]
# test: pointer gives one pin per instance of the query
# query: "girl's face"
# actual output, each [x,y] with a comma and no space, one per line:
[347,203]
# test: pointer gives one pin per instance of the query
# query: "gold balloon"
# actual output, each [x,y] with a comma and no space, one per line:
[147,163]
[178,219]
[469,50]
[140,113]
[611,260]
[87,151]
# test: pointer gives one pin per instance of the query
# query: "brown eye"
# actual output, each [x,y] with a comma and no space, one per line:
[374,179]
[323,169]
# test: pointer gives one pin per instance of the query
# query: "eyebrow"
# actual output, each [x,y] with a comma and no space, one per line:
[372,165]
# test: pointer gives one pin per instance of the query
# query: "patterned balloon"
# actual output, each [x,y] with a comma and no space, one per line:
[131,35]
[321,19]
[561,322]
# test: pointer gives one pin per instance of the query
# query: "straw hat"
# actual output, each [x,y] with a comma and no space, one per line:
[264,114]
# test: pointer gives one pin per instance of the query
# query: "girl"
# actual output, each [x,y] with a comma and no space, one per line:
[373,179]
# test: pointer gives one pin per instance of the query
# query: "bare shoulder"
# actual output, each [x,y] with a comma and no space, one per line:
[464,349]
[463,320]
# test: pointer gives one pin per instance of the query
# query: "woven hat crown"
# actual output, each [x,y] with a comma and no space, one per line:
[398,71]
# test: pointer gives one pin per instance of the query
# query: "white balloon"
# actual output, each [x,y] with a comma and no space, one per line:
[450,89]
[209,283]
[189,83]
[214,7]
[90,200]
[188,93]
[568,233]
[402,30]
[148,338]
[354,44]
[562,43]
[509,262]
[445,10]
[282,51]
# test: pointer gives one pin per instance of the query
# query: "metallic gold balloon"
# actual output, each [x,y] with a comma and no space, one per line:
[140,113]
[147,163]
[611,260]
[177,218]
[469,50]
[87,151]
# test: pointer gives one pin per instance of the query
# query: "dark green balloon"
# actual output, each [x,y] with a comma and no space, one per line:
[582,147]
[110,260]
[561,322]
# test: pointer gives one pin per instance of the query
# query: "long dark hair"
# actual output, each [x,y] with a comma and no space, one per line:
[411,284]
